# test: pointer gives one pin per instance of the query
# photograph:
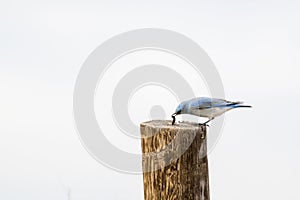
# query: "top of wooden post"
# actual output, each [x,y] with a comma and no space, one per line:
[167,124]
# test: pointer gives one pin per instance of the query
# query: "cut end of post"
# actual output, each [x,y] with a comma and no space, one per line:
[167,124]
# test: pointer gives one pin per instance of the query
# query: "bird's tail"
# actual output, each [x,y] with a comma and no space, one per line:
[241,106]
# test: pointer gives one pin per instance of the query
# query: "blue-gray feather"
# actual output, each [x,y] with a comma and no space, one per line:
[206,102]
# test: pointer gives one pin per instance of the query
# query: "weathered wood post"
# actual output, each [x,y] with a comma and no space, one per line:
[175,162]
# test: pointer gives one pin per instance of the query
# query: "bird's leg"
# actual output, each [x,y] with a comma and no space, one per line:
[205,123]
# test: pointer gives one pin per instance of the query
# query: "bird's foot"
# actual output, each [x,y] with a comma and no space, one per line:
[203,124]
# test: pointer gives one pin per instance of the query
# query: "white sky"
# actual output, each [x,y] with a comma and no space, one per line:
[254,44]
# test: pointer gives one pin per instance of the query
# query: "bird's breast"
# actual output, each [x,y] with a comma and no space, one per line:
[208,112]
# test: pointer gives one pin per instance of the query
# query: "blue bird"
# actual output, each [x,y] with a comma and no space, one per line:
[206,107]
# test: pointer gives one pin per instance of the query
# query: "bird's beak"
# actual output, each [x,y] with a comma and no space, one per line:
[174,119]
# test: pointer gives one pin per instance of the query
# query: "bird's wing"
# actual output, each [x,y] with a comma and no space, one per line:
[206,103]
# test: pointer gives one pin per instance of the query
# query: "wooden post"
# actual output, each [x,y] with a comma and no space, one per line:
[175,163]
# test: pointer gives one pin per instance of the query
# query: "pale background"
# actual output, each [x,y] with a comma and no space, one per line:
[255,46]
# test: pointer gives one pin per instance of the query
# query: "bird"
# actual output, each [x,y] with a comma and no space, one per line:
[206,107]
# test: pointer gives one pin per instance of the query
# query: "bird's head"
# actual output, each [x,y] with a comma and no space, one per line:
[179,109]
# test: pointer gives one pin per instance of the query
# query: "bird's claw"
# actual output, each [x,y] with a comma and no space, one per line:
[204,124]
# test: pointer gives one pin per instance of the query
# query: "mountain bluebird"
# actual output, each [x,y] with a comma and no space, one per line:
[206,107]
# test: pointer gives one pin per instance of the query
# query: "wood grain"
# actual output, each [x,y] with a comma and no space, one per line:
[175,163]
